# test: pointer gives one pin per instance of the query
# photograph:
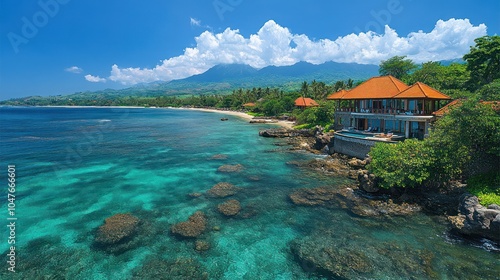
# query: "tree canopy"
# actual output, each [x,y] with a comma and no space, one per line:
[397,66]
[483,61]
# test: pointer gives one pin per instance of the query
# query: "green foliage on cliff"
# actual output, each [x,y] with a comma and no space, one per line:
[406,164]
[486,187]
[459,142]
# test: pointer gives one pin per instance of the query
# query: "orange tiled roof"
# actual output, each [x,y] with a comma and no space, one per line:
[439,113]
[421,90]
[376,88]
[305,102]
[337,95]
[249,104]
[447,108]
[494,104]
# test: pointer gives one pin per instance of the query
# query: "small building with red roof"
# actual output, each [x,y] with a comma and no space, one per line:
[304,102]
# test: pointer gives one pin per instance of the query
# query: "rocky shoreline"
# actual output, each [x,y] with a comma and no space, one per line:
[463,213]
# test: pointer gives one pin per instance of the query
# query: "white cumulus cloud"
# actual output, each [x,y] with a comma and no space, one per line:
[74,69]
[276,45]
[94,79]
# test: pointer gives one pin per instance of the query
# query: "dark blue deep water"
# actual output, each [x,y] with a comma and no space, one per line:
[77,166]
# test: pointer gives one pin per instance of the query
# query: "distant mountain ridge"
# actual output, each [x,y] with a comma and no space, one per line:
[225,78]
[277,75]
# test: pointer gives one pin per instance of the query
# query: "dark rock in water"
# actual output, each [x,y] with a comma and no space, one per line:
[331,254]
[476,220]
[330,260]
[230,168]
[347,198]
[219,156]
[116,229]
[330,165]
[179,269]
[222,190]
[193,227]
[322,140]
[201,245]
[276,132]
[229,208]
[286,132]
[195,195]
[313,197]
[367,181]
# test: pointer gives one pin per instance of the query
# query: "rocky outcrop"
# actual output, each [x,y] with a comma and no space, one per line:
[229,208]
[195,195]
[276,133]
[285,132]
[230,168]
[326,259]
[476,220]
[219,156]
[348,198]
[333,255]
[222,190]
[201,245]
[330,165]
[356,163]
[117,229]
[313,197]
[322,140]
[367,181]
[193,227]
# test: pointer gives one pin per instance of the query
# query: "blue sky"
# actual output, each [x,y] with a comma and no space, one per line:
[51,47]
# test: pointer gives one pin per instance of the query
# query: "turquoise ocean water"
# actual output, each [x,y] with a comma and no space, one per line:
[77,166]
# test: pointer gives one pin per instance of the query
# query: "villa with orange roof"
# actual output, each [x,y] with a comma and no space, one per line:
[386,104]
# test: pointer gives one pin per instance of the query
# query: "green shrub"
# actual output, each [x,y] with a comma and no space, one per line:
[405,164]
[486,187]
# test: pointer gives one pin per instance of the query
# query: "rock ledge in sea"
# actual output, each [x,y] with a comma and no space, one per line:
[230,168]
[348,198]
[222,190]
[476,220]
[116,229]
[229,208]
[193,227]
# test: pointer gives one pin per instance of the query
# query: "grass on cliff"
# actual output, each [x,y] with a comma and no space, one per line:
[486,187]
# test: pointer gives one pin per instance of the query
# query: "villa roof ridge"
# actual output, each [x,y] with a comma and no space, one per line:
[394,79]
[419,89]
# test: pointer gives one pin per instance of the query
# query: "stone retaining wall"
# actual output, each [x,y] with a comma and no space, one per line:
[352,146]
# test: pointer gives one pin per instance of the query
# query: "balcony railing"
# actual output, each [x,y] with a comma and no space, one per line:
[387,111]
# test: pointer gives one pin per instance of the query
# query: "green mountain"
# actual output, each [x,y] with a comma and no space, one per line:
[223,79]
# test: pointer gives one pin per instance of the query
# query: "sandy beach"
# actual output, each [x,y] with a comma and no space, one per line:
[245,116]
